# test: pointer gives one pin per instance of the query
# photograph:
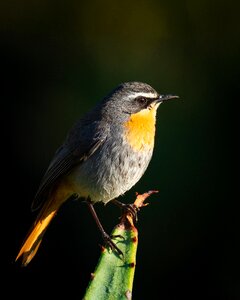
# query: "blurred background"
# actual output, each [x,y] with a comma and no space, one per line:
[58,58]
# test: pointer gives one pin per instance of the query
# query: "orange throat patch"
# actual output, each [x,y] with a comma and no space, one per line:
[140,129]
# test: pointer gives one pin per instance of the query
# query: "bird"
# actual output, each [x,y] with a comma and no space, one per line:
[104,155]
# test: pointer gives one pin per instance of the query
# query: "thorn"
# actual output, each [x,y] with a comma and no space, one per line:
[132,265]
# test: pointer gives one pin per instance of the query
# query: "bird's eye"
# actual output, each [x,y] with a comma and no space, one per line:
[142,100]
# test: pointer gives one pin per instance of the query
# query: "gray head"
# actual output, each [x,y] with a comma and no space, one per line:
[132,97]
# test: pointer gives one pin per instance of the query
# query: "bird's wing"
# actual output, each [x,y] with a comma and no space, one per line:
[68,156]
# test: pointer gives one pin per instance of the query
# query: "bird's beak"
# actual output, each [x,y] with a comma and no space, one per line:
[163,98]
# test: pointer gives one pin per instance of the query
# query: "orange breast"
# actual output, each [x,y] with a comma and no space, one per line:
[140,129]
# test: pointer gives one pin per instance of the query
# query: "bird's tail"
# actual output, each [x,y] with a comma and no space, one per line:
[34,237]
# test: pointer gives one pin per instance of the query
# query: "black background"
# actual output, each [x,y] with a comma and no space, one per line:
[57,60]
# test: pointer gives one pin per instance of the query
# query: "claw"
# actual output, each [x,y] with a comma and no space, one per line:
[108,241]
[113,236]
[128,209]
[132,209]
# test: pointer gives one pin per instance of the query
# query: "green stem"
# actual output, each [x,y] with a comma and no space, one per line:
[113,277]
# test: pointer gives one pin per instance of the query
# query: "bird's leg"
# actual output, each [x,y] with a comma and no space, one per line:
[107,239]
[127,208]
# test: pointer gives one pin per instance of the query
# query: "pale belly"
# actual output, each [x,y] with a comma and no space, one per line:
[109,172]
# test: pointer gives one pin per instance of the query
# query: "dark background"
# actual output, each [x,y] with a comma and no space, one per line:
[58,58]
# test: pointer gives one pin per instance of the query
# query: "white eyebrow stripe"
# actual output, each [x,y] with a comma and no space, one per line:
[142,94]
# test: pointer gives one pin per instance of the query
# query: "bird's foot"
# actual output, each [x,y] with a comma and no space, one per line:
[109,242]
[128,209]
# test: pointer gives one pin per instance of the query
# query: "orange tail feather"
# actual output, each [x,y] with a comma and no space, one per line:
[34,238]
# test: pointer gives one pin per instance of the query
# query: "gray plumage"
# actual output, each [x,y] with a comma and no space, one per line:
[108,173]
[104,155]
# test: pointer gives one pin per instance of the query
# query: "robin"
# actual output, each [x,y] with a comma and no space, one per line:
[103,156]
